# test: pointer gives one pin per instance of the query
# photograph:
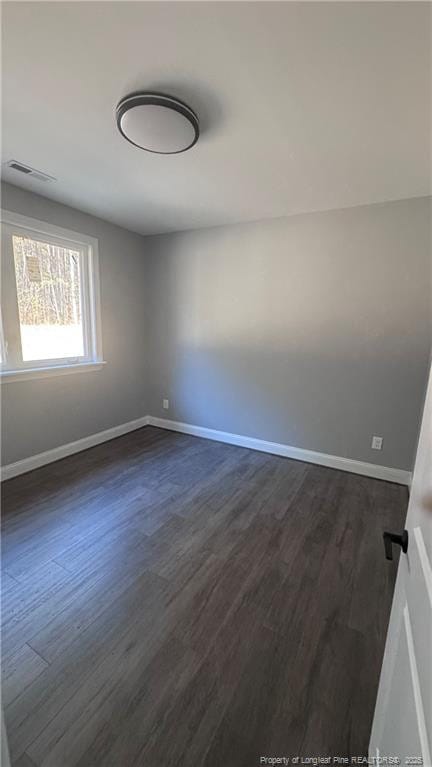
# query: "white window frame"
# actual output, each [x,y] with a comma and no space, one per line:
[13,367]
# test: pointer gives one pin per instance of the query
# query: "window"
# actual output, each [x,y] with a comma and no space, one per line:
[50,320]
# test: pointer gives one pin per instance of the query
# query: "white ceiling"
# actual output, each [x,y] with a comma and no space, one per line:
[303,106]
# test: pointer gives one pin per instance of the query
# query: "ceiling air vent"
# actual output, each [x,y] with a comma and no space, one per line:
[19,167]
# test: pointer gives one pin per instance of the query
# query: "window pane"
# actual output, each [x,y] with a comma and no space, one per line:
[49,300]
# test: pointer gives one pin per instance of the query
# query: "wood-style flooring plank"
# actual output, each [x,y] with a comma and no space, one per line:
[24,761]
[19,671]
[176,601]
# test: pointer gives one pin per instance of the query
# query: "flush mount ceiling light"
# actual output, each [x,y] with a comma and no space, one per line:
[157,123]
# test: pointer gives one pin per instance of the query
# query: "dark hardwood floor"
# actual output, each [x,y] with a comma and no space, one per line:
[169,601]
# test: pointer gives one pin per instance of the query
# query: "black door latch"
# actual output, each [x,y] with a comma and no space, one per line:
[390,538]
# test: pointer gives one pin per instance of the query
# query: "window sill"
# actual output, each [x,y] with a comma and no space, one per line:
[9,376]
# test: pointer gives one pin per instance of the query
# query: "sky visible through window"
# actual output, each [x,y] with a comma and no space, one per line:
[49,300]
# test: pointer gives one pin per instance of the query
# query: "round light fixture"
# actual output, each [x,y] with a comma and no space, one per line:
[157,123]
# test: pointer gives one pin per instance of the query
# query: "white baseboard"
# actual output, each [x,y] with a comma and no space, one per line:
[288,451]
[49,456]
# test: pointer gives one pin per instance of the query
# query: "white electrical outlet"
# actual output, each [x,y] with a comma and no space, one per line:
[377,443]
[165,404]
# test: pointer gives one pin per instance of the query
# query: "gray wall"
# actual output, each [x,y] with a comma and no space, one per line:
[312,330]
[41,414]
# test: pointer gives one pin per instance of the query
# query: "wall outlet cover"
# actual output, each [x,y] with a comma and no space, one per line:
[377,443]
[165,404]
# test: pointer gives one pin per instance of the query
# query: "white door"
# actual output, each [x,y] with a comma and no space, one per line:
[402,725]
